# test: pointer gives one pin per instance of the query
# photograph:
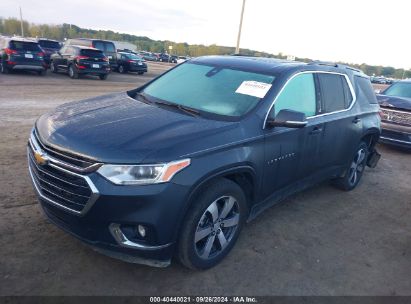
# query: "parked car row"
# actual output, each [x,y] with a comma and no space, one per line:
[381,80]
[76,57]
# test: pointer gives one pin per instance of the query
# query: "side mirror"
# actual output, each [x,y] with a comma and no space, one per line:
[288,118]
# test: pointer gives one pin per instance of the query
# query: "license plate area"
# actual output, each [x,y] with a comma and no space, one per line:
[95,66]
[28,56]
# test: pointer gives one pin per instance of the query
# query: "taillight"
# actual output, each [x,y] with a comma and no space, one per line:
[10,51]
[40,54]
[132,61]
[382,115]
[81,66]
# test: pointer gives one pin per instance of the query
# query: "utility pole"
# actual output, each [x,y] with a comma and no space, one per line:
[237,49]
[21,23]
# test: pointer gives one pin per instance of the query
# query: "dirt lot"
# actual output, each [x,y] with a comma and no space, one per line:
[320,242]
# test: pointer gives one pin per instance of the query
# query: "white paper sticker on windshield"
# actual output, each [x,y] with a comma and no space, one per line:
[254,88]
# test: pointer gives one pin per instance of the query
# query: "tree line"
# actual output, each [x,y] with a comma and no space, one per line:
[12,26]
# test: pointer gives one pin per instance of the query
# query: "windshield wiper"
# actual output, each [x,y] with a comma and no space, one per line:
[143,98]
[182,108]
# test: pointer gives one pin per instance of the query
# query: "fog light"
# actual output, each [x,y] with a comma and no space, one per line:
[141,230]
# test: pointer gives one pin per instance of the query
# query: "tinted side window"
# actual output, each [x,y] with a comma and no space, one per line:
[364,88]
[335,93]
[298,95]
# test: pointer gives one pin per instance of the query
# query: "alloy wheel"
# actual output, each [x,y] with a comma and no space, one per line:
[357,167]
[216,227]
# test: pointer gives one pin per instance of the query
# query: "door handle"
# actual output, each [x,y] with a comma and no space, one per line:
[356,120]
[316,130]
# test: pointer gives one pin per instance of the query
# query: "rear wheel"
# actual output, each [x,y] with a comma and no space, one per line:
[212,225]
[3,68]
[356,169]
[72,71]
[103,76]
[122,69]
[140,73]
[42,72]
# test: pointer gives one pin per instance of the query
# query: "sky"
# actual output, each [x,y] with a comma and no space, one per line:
[355,31]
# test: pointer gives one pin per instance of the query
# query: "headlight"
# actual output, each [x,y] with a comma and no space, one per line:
[142,174]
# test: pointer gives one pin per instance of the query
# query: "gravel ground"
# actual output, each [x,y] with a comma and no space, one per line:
[320,242]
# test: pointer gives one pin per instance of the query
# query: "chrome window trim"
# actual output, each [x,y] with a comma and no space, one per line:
[94,191]
[354,96]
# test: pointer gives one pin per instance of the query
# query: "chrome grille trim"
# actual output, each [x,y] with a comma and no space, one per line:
[43,191]
[396,116]
[36,147]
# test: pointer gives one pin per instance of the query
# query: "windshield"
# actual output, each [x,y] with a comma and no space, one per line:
[92,53]
[399,89]
[24,46]
[210,89]
[49,44]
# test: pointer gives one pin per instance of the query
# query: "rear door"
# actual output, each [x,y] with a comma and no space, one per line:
[341,130]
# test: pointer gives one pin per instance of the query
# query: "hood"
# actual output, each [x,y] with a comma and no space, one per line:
[119,129]
[394,102]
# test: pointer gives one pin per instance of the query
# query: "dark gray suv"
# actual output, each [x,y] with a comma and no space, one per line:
[176,167]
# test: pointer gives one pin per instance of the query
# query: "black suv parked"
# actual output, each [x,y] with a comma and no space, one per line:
[76,60]
[167,58]
[21,54]
[49,47]
[130,62]
[395,103]
[181,163]
[106,46]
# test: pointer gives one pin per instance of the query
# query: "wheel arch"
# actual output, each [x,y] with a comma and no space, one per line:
[371,137]
[242,175]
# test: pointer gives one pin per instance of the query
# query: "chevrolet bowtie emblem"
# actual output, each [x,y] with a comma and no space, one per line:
[40,158]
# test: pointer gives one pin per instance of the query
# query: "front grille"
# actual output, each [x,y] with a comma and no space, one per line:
[65,189]
[395,116]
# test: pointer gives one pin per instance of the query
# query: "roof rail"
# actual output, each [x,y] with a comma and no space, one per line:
[336,65]
[319,62]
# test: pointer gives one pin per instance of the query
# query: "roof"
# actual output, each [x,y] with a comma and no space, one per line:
[272,65]
[16,38]
[84,47]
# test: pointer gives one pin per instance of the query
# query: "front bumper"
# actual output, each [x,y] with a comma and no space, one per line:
[110,218]
[396,135]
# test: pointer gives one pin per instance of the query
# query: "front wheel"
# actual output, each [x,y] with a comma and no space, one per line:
[212,225]
[42,72]
[53,67]
[73,72]
[356,169]
[140,73]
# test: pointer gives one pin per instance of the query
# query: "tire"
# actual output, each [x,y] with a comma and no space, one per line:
[103,76]
[42,72]
[208,214]
[73,73]
[140,73]
[4,69]
[122,69]
[355,170]
[53,67]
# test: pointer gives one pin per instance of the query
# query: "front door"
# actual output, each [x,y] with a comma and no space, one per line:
[292,154]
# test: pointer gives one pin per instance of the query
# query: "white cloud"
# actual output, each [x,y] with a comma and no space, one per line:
[375,32]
